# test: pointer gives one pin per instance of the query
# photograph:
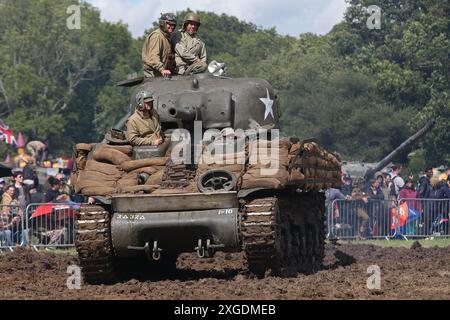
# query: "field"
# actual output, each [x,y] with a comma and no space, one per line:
[408,270]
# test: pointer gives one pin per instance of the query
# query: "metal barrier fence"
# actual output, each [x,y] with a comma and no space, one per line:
[51,224]
[12,227]
[375,219]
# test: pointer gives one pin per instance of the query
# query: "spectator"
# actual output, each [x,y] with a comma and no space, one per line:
[386,186]
[331,195]
[8,197]
[37,196]
[375,206]
[10,216]
[361,204]
[23,190]
[2,186]
[7,222]
[53,193]
[374,192]
[439,210]
[347,187]
[380,179]
[397,181]
[445,176]
[23,196]
[408,192]
[425,187]
[66,188]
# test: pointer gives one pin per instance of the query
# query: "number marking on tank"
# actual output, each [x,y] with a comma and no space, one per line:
[130,217]
[225,211]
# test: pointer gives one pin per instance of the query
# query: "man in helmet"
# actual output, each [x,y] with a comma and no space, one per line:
[190,50]
[143,127]
[157,55]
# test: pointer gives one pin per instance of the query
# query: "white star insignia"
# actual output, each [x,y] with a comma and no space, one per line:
[268,103]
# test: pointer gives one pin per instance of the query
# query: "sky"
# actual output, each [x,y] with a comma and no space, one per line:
[289,17]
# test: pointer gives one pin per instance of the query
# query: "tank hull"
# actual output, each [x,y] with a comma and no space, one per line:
[175,221]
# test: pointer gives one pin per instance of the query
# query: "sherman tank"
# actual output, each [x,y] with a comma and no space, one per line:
[223,180]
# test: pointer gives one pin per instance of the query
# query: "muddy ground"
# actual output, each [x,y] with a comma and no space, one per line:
[416,273]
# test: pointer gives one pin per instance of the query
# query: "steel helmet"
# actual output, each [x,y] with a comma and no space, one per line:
[191,17]
[167,17]
[142,96]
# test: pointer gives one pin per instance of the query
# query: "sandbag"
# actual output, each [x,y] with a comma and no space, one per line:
[98,176]
[126,149]
[294,149]
[105,154]
[85,147]
[135,164]
[127,181]
[140,188]
[281,175]
[80,161]
[98,191]
[147,170]
[156,178]
[73,178]
[269,183]
[102,167]
[81,184]
[296,175]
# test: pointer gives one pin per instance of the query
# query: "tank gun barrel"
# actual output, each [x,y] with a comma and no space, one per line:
[401,148]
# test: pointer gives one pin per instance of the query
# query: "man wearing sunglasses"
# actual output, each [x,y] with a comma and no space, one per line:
[157,55]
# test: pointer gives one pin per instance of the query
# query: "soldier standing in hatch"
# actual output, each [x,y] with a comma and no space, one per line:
[157,55]
[143,127]
[190,50]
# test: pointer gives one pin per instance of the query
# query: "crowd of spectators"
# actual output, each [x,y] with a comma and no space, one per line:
[24,188]
[368,203]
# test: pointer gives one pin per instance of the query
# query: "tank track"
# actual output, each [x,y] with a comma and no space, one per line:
[283,236]
[305,240]
[260,231]
[93,244]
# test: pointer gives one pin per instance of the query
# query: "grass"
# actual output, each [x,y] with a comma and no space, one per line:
[427,243]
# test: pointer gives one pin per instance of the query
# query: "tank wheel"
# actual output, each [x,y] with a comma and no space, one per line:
[93,244]
[264,237]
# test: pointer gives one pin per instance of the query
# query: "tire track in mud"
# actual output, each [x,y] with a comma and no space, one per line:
[418,273]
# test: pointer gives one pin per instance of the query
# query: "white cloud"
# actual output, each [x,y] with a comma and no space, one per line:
[287,16]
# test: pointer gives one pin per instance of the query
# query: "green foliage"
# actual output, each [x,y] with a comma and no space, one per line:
[361,92]
[50,76]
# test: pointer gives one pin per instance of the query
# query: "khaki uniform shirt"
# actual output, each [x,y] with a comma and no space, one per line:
[142,131]
[188,50]
[157,53]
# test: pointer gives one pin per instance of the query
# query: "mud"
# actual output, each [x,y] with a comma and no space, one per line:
[417,273]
